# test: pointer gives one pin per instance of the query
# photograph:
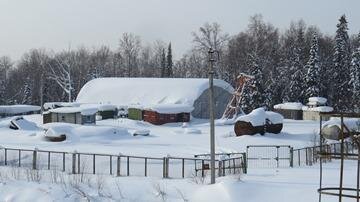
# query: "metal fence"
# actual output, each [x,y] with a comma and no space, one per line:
[271,156]
[119,165]
[268,156]
[307,156]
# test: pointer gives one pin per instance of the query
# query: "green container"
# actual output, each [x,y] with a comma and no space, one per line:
[135,114]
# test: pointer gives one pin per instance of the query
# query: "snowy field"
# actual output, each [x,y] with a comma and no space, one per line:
[114,137]
[172,139]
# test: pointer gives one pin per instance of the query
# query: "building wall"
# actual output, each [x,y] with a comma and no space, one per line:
[201,105]
[75,118]
[290,114]
[159,119]
[314,115]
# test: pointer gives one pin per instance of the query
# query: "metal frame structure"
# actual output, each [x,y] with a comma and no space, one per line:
[323,155]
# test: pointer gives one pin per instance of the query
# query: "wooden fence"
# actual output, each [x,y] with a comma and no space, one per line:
[119,165]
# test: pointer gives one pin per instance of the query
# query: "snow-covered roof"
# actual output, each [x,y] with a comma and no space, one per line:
[146,91]
[52,105]
[18,109]
[289,105]
[100,107]
[171,108]
[317,100]
[83,110]
[318,109]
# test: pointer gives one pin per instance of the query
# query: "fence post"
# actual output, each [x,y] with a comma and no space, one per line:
[291,157]
[219,171]
[244,163]
[19,157]
[183,168]
[34,159]
[202,168]
[310,157]
[49,160]
[5,150]
[118,165]
[73,170]
[111,165]
[94,163]
[63,161]
[145,167]
[127,165]
[167,167]
[299,160]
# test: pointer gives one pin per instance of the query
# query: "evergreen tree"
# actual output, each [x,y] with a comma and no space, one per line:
[254,95]
[355,76]
[296,87]
[169,62]
[341,59]
[27,92]
[163,64]
[313,70]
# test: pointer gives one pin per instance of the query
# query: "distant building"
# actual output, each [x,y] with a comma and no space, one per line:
[297,111]
[290,110]
[75,115]
[314,107]
[146,94]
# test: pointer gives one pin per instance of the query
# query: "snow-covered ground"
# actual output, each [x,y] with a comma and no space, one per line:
[114,137]
[173,139]
[259,185]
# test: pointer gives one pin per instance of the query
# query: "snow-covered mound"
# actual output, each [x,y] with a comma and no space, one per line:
[18,109]
[258,117]
[171,108]
[75,132]
[289,105]
[83,110]
[318,109]
[146,91]
[19,123]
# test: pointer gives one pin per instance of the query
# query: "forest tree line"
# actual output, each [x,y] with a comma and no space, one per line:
[288,66]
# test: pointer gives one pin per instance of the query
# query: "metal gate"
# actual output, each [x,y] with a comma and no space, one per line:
[269,156]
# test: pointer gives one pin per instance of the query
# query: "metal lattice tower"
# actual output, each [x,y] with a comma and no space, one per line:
[233,107]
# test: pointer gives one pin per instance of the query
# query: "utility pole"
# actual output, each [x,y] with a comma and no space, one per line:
[211,107]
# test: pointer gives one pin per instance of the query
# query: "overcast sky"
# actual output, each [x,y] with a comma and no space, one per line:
[55,24]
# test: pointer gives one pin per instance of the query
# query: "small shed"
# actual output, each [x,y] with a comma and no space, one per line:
[168,113]
[16,110]
[75,115]
[107,111]
[290,110]
[135,113]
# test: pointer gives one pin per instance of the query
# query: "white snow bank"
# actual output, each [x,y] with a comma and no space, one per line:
[18,109]
[171,108]
[83,110]
[318,109]
[317,100]
[289,105]
[146,91]
[274,117]
[188,131]
[94,133]
[258,117]
[100,107]
[53,105]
